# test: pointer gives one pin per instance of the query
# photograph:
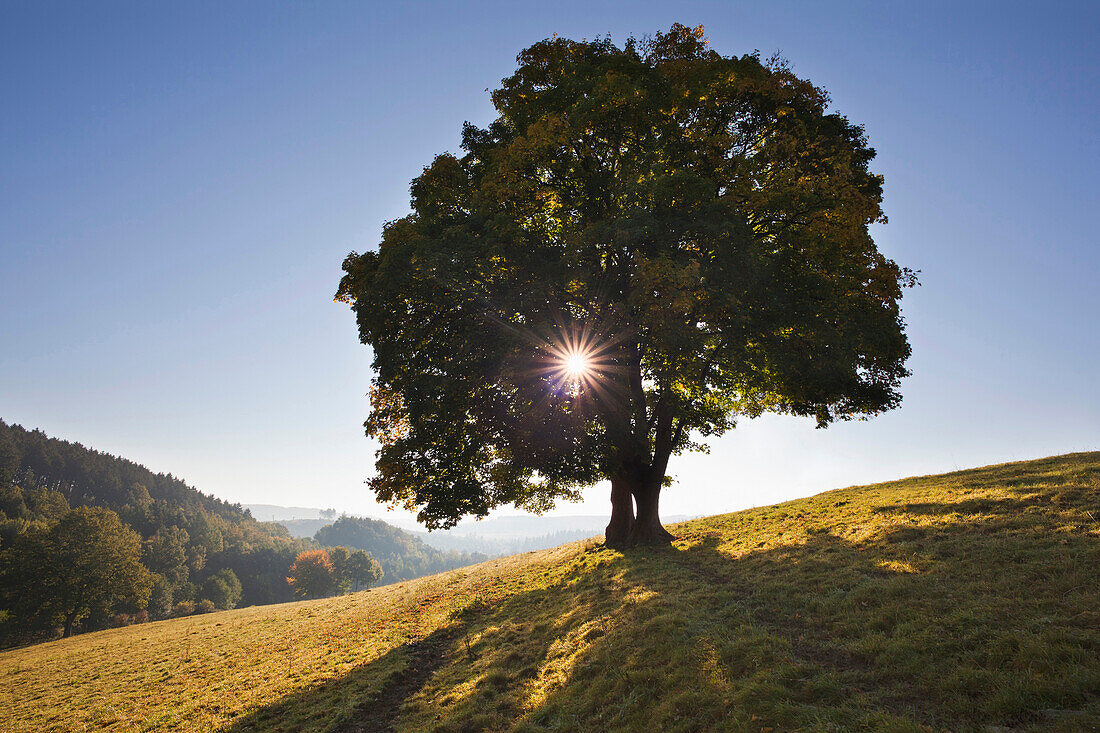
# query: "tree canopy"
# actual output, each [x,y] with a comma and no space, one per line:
[647,243]
[353,569]
[336,570]
[87,562]
[311,575]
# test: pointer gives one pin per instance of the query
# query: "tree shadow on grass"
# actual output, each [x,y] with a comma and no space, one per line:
[954,627]
[371,694]
[957,624]
[486,650]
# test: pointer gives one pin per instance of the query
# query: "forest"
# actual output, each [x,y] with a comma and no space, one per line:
[89,540]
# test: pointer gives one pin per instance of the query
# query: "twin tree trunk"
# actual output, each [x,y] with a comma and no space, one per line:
[627,529]
[641,468]
[640,474]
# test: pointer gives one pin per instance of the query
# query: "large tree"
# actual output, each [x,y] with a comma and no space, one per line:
[647,243]
[88,562]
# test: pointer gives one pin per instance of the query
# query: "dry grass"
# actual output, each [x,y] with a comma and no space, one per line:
[949,602]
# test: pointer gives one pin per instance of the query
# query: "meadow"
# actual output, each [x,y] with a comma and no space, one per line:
[964,601]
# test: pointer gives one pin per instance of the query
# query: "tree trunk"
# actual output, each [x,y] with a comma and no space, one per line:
[69,620]
[640,472]
[618,530]
[647,530]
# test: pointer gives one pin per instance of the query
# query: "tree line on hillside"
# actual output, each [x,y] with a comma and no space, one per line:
[90,540]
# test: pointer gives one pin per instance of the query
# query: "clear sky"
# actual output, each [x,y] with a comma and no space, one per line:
[180,182]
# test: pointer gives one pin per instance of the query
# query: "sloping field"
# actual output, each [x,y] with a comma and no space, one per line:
[968,601]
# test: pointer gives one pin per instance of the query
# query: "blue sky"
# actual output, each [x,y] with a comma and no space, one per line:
[179,184]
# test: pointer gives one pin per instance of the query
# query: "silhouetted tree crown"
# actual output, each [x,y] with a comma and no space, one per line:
[647,243]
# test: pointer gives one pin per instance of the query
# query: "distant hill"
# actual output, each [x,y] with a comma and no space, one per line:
[493,537]
[402,554]
[276,513]
[509,535]
[526,525]
[304,527]
[498,546]
[187,537]
[85,476]
[495,544]
[967,601]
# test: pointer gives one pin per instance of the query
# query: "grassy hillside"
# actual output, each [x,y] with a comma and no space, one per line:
[968,601]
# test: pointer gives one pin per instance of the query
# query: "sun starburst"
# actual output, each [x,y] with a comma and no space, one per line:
[578,360]
[576,365]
